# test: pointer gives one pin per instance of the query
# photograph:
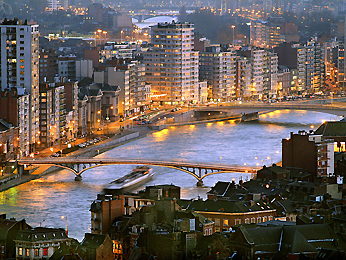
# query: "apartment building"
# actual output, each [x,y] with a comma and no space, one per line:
[265,34]
[310,66]
[341,75]
[48,65]
[329,57]
[52,114]
[130,77]
[67,67]
[172,64]
[310,152]
[218,68]
[244,87]
[20,67]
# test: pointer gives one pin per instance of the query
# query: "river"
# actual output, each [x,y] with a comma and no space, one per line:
[45,200]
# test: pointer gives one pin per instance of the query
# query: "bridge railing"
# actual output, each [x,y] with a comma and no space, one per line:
[281,106]
[139,161]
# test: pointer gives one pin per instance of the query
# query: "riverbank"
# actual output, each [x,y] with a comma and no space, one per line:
[120,138]
[94,150]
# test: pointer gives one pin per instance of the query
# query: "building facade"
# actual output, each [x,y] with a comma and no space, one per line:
[171,64]
[217,66]
[20,67]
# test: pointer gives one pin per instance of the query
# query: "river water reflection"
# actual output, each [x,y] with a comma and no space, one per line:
[44,201]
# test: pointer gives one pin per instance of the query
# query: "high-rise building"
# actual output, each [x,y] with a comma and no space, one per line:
[265,34]
[245,89]
[264,70]
[218,67]
[172,64]
[310,66]
[341,74]
[53,5]
[20,67]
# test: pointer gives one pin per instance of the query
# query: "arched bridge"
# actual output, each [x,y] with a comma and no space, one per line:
[335,109]
[197,170]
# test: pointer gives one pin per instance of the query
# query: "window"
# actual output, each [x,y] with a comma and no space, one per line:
[238,221]
[270,218]
[45,251]
[20,251]
[253,220]
[36,252]
[264,219]
[247,221]
[225,222]
[259,220]
[27,252]
[217,222]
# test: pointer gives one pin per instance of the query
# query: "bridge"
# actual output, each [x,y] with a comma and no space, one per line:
[197,170]
[335,109]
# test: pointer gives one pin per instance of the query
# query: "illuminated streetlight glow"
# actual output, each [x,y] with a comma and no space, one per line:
[65,217]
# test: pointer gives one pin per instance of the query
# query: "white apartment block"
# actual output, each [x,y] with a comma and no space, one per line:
[258,76]
[310,66]
[24,125]
[273,74]
[218,68]
[140,92]
[261,67]
[325,155]
[171,64]
[19,67]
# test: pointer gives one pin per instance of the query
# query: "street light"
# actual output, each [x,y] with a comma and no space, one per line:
[182,158]
[233,26]
[140,154]
[220,159]
[65,217]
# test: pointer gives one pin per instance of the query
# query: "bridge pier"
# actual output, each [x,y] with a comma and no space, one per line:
[250,117]
[78,178]
[20,169]
[199,183]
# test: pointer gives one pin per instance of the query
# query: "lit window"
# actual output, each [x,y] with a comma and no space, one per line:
[259,220]
[36,252]
[217,221]
[237,221]
[45,251]
[225,222]
[27,252]
[247,221]
[20,251]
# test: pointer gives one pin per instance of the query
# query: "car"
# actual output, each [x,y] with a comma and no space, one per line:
[37,153]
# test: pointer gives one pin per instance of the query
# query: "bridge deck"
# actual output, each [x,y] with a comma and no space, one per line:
[137,161]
